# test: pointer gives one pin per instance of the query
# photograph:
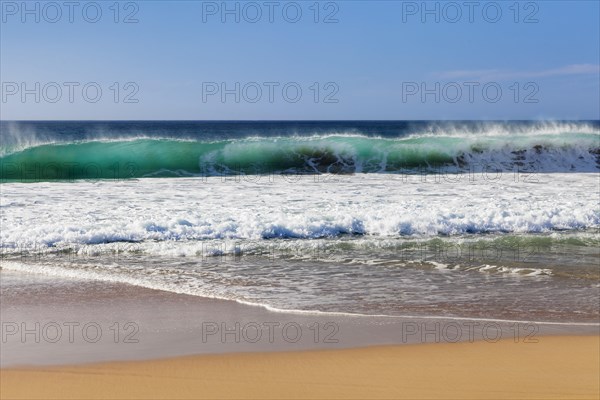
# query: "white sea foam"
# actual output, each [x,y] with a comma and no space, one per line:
[150,232]
[187,209]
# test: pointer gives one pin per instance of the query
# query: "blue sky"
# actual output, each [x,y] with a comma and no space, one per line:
[371,60]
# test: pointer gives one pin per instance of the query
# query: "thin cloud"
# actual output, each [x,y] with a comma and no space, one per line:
[499,74]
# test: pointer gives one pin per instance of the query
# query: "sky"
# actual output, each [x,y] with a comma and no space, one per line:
[303,60]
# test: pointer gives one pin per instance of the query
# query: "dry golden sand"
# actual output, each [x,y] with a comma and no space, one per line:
[555,367]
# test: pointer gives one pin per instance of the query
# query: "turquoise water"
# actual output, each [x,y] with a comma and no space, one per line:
[87,151]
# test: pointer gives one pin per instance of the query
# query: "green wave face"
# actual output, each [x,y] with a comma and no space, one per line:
[101,160]
[327,154]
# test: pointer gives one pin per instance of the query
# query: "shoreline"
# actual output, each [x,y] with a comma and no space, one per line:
[554,367]
[55,321]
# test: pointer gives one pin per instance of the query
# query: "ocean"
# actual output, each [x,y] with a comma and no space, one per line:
[476,220]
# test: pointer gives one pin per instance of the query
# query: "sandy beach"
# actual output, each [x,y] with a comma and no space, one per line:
[193,347]
[553,368]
